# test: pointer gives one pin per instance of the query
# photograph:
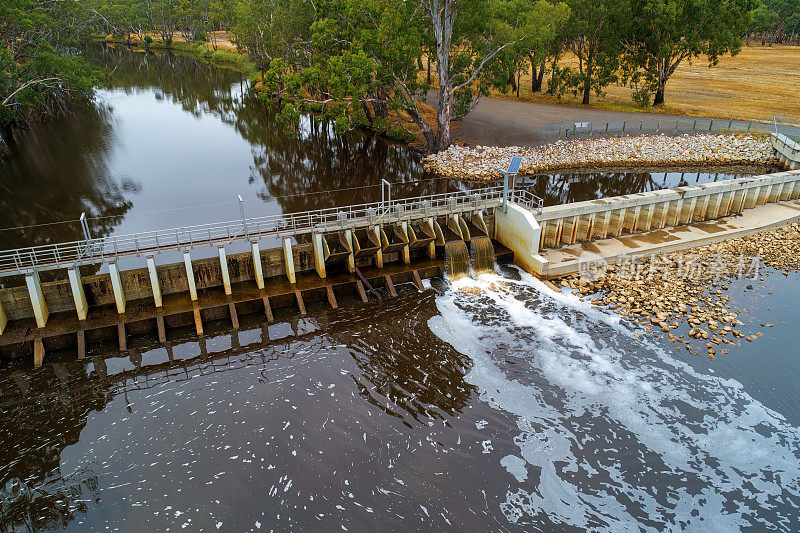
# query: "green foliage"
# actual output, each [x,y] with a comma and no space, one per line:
[776,20]
[663,33]
[40,71]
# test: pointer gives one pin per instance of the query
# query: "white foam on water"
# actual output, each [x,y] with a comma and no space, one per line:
[614,431]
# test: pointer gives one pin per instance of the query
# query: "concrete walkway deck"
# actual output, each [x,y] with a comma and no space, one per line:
[570,259]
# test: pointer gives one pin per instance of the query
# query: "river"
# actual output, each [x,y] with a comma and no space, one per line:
[488,404]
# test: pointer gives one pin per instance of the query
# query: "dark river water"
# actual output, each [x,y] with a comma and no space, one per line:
[489,404]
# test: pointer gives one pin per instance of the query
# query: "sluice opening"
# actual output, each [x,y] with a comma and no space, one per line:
[482,252]
[456,260]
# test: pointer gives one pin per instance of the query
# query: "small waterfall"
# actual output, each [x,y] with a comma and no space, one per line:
[482,253]
[456,260]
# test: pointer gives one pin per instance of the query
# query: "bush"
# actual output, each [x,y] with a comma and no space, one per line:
[147,40]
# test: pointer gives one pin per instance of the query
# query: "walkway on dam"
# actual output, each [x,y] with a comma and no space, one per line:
[572,258]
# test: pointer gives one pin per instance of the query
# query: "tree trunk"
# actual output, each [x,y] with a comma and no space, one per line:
[429,69]
[442,20]
[533,74]
[659,98]
[586,91]
[512,80]
[537,87]
[663,76]
[443,118]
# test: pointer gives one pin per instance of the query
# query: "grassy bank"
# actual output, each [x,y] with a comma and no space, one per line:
[750,86]
[220,57]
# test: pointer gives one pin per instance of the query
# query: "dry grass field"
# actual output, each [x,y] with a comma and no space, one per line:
[750,86]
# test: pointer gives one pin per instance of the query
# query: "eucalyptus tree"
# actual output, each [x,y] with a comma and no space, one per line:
[531,28]
[41,71]
[593,36]
[362,62]
[664,33]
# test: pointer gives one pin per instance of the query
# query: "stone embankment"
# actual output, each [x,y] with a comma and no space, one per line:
[484,163]
[689,290]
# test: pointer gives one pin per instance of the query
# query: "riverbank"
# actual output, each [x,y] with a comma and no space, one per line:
[485,163]
[687,291]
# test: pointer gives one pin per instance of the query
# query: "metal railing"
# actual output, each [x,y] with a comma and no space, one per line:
[105,249]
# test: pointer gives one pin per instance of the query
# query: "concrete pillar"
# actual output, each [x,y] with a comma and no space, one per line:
[351,259]
[258,270]
[559,231]
[763,194]
[620,225]
[775,192]
[3,319]
[187,262]
[116,285]
[637,211]
[795,191]
[606,222]
[78,295]
[319,254]
[692,208]
[288,259]
[223,265]
[738,201]
[678,213]
[406,252]
[704,207]
[786,191]
[543,234]
[432,244]
[379,253]
[151,270]
[713,206]
[518,230]
[750,198]
[37,298]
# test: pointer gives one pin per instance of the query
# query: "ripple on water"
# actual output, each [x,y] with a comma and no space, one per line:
[613,431]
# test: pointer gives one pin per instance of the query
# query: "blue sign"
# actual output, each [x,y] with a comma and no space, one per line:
[513,167]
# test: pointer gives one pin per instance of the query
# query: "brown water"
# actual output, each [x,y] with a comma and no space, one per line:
[488,404]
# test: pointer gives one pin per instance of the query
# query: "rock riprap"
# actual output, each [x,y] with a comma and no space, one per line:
[687,292]
[484,163]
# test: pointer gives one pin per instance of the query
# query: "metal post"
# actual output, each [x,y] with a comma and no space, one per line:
[505,192]
[606,127]
[711,124]
[658,126]
[87,235]
[694,126]
[623,126]
[241,213]
[388,196]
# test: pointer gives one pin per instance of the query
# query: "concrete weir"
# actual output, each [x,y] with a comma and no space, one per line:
[379,246]
[326,254]
[641,224]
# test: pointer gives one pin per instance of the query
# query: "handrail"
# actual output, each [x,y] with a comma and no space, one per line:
[104,249]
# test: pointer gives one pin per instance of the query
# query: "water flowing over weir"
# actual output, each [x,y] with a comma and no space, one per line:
[482,255]
[612,434]
[456,260]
